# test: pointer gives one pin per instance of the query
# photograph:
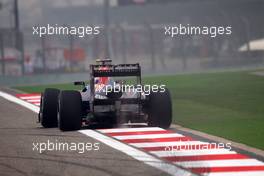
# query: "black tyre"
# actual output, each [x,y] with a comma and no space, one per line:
[70,110]
[159,109]
[48,108]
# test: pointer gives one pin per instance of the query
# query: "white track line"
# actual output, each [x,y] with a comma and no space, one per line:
[191,152]
[221,163]
[131,129]
[148,136]
[137,154]
[245,173]
[16,100]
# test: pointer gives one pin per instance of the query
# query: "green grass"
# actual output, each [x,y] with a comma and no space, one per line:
[229,104]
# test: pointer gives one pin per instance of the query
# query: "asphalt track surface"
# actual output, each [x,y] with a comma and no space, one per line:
[19,131]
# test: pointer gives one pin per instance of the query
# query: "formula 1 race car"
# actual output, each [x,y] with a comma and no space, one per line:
[106,101]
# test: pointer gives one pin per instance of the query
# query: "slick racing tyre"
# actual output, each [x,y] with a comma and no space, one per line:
[70,110]
[159,109]
[48,108]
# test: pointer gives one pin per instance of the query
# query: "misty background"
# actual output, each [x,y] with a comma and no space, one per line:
[132,31]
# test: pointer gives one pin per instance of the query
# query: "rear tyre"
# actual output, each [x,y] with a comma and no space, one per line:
[48,108]
[70,110]
[159,109]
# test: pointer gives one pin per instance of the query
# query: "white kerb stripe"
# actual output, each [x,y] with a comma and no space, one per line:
[164,144]
[16,100]
[221,163]
[191,152]
[137,154]
[29,97]
[148,136]
[135,124]
[34,101]
[131,129]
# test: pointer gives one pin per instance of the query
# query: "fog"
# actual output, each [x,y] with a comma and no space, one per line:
[128,34]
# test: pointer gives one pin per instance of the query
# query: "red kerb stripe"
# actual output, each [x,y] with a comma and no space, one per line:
[187,147]
[227,169]
[206,157]
[27,95]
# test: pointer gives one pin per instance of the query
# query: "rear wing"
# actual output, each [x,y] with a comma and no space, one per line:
[120,70]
